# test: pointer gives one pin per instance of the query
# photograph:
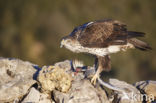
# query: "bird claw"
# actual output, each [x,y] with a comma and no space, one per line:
[93,80]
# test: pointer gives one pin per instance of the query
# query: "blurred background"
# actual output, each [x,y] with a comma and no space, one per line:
[31,30]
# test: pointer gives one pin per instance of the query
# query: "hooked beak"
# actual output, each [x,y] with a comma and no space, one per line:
[62,43]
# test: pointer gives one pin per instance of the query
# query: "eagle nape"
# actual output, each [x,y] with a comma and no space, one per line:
[101,64]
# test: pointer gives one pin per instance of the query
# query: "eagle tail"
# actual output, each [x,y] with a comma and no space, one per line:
[132,34]
[139,44]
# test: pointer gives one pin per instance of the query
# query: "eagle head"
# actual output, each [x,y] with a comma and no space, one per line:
[66,41]
[70,43]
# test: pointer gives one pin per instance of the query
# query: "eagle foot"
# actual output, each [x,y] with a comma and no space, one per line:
[94,78]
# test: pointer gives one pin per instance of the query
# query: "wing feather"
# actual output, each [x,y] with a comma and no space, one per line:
[103,33]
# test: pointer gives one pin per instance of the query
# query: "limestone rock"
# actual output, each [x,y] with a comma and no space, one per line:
[16,78]
[147,87]
[129,93]
[54,77]
[65,65]
[81,92]
[122,91]
[34,96]
[64,82]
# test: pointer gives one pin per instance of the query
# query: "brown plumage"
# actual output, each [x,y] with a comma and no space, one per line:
[103,33]
[107,32]
[102,38]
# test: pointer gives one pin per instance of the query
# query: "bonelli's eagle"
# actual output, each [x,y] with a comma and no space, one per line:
[102,38]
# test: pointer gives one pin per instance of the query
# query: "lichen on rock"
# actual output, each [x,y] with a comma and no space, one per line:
[54,77]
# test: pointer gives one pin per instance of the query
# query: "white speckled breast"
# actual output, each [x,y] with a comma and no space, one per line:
[98,51]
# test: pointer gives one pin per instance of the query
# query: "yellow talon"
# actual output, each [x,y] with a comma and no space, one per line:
[93,80]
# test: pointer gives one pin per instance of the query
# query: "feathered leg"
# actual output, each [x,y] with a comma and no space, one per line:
[103,64]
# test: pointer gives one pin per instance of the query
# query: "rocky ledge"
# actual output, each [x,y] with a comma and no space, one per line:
[65,82]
